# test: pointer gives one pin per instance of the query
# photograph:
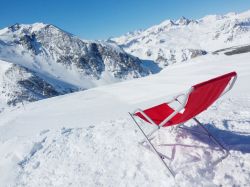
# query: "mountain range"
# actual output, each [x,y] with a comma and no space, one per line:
[177,41]
[40,60]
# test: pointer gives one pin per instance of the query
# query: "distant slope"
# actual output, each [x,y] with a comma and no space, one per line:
[234,50]
[177,41]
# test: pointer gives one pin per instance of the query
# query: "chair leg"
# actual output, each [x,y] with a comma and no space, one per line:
[212,137]
[152,146]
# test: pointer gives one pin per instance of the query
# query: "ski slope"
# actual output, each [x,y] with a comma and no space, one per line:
[87,138]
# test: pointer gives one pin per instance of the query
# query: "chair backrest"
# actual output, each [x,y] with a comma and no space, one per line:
[202,96]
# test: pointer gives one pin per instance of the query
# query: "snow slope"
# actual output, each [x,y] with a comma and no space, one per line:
[87,138]
[177,41]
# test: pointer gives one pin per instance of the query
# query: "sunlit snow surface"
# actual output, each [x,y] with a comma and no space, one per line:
[88,139]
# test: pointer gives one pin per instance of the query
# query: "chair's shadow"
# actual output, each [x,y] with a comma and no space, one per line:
[237,141]
[232,140]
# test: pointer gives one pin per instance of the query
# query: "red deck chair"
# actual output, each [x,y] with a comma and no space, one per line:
[197,99]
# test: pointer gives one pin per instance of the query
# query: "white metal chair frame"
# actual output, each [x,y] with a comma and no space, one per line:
[181,107]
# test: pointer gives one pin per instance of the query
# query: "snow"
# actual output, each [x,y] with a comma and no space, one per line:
[88,139]
[4,66]
[37,26]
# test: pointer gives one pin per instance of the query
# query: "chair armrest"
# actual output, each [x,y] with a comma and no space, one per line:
[230,86]
[181,94]
[175,98]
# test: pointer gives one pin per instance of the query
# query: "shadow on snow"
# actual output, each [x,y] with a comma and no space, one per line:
[238,141]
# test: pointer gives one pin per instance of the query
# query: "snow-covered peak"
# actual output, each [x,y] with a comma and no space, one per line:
[211,18]
[227,17]
[183,21]
[165,23]
[245,14]
[35,28]
[133,33]
[170,42]
[39,26]
[27,27]
[231,14]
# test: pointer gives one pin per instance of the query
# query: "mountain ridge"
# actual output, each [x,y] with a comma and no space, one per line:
[177,41]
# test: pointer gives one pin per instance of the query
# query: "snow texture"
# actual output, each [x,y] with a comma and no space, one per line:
[88,139]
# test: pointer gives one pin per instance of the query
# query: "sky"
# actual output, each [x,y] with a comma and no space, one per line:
[101,19]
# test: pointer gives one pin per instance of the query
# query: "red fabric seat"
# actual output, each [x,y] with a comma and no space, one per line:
[202,96]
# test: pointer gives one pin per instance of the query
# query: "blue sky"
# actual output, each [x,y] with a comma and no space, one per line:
[100,19]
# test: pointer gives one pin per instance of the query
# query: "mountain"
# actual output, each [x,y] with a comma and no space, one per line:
[177,41]
[41,60]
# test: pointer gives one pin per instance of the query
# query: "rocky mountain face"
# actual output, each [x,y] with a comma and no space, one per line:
[18,84]
[45,61]
[178,41]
